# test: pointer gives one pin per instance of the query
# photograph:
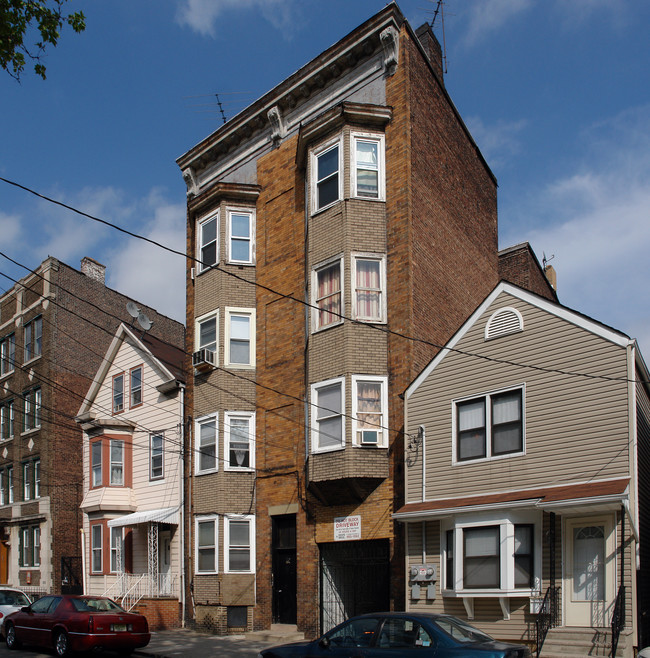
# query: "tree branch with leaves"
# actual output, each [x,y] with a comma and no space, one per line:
[27,27]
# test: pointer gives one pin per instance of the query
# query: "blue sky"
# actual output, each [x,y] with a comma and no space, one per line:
[555,92]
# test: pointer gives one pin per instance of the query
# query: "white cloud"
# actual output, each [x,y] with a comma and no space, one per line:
[599,228]
[498,142]
[488,16]
[201,15]
[9,230]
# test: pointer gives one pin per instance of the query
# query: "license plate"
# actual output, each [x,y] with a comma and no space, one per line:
[119,628]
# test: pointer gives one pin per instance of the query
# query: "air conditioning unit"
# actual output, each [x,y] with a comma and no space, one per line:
[369,437]
[204,360]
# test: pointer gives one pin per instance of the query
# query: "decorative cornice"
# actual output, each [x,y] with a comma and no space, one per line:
[236,192]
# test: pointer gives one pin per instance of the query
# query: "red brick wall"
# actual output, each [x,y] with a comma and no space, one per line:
[160,613]
[519,265]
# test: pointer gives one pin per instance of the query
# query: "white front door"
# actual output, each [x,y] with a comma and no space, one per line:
[590,571]
[164,561]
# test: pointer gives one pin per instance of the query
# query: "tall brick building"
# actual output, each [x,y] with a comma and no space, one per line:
[55,327]
[339,230]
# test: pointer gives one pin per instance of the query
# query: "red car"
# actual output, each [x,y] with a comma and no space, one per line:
[68,623]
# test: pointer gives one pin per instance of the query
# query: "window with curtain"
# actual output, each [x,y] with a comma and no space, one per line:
[118,393]
[239,435]
[367,157]
[369,289]
[327,415]
[327,295]
[368,412]
[117,462]
[498,416]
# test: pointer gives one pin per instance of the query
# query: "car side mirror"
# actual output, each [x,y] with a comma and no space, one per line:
[26,609]
[324,642]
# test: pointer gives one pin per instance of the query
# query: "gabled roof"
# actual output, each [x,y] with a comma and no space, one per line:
[556,309]
[167,360]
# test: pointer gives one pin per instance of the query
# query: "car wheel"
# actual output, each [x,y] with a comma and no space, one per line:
[61,644]
[10,637]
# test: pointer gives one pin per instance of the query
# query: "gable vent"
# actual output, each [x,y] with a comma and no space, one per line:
[503,322]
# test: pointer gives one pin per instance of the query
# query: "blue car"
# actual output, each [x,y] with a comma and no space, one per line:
[401,634]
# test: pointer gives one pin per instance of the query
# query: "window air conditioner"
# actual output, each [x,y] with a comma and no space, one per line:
[369,437]
[203,360]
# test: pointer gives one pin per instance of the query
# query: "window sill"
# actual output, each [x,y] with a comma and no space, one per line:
[326,451]
[6,374]
[483,460]
[30,432]
[488,593]
[35,358]
[318,330]
[318,211]
[207,472]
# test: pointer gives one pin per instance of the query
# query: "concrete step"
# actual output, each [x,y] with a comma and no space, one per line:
[566,642]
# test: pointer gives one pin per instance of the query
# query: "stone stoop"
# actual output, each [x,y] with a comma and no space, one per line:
[277,634]
[565,642]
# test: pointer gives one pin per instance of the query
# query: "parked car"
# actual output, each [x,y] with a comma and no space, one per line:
[11,600]
[413,634]
[68,623]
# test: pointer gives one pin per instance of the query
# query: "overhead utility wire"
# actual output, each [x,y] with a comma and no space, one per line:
[282,295]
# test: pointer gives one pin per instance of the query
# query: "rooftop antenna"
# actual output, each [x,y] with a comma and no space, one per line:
[546,261]
[223,114]
[440,9]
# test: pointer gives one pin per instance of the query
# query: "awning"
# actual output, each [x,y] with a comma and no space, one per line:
[169,515]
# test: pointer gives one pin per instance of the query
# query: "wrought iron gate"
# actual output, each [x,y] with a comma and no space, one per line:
[71,575]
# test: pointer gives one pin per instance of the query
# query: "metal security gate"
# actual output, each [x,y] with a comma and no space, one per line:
[354,580]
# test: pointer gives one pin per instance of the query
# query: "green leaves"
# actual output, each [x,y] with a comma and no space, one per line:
[27,27]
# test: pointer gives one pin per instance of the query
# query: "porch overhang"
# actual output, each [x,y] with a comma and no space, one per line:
[592,496]
[168,515]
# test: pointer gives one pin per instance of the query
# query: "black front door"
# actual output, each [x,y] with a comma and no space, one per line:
[283,549]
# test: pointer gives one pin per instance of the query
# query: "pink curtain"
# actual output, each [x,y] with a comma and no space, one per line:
[368,289]
[329,295]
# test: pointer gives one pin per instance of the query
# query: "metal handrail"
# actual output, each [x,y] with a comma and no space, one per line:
[618,618]
[547,617]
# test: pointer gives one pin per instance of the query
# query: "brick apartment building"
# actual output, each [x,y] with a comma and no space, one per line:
[55,326]
[345,211]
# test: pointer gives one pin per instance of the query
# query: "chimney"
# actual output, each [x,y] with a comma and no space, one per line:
[94,270]
[551,276]
[432,49]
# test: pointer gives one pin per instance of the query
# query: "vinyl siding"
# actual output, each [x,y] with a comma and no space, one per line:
[564,414]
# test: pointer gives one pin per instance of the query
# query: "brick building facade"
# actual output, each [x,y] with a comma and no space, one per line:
[55,326]
[340,229]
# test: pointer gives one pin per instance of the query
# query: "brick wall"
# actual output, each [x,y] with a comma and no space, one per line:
[161,614]
[520,266]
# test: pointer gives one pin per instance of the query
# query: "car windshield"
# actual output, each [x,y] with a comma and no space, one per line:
[7,597]
[461,631]
[96,605]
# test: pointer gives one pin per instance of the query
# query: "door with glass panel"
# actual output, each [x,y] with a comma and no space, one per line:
[590,571]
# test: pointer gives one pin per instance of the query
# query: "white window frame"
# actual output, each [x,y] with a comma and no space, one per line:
[251,240]
[37,478]
[378,139]
[121,462]
[315,388]
[118,409]
[228,417]
[96,469]
[30,354]
[314,155]
[115,550]
[7,418]
[232,311]
[10,484]
[506,521]
[316,326]
[197,445]
[199,240]
[2,487]
[229,518]
[381,259]
[197,521]
[157,453]
[133,389]
[382,441]
[96,550]
[208,317]
[32,405]
[27,481]
[7,356]
[488,425]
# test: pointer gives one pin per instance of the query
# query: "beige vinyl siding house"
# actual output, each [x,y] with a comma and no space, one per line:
[521,471]
[132,421]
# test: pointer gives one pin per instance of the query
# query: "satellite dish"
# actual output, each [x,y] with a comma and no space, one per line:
[144,321]
[133,310]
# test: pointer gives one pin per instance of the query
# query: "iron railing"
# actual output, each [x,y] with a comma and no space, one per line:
[129,588]
[618,618]
[547,617]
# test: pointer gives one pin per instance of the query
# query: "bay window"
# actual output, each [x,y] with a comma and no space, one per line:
[206,533]
[110,462]
[327,294]
[205,336]
[206,444]
[367,166]
[369,410]
[241,226]
[240,337]
[327,409]
[239,542]
[239,440]
[369,285]
[208,241]
[117,462]
[326,169]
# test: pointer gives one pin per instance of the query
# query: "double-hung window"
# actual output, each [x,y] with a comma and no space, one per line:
[205,335]
[135,391]
[118,393]
[110,462]
[208,238]
[32,409]
[96,548]
[7,354]
[369,282]
[239,440]
[10,485]
[206,533]
[327,407]
[116,448]
[7,420]
[326,166]
[489,426]
[37,478]
[96,463]
[240,337]
[327,294]
[33,335]
[241,245]
[30,546]
[156,456]
[117,549]
[239,541]
[367,165]
[27,481]
[370,411]
[206,444]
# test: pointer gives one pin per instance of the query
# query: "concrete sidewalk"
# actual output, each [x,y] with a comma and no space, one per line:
[189,643]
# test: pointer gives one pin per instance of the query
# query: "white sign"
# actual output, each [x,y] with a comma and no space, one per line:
[347,528]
